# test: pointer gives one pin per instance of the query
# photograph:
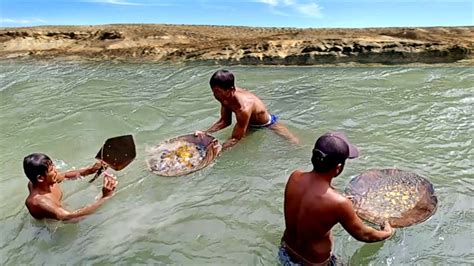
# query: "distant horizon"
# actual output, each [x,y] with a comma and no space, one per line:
[246,13]
[209,25]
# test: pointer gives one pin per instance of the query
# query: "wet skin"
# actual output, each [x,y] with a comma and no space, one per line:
[312,207]
[248,109]
[44,200]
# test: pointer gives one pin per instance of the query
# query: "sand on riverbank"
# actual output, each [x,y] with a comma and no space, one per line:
[241,45]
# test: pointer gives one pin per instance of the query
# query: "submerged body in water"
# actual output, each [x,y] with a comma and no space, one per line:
[248,108]
[231,213]
[45,198]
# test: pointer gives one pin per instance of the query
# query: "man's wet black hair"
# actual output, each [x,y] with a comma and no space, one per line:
[35,165]
[328,152]
[223,79]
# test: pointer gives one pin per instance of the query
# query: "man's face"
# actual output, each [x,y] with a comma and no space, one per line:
[51,176]
[220,94]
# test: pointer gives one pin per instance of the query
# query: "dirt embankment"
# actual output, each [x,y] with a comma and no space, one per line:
[241,45]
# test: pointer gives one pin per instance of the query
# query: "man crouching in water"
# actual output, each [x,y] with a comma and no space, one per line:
[249,110]
[44,200]
[312,207]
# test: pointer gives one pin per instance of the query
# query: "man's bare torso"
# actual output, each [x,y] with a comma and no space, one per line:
[250,103]
[53,196]
[310,213]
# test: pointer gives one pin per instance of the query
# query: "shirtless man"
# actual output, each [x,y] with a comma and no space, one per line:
[312,207]
[249,110]
[44,200]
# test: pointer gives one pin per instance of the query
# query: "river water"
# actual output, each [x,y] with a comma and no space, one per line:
[413,118]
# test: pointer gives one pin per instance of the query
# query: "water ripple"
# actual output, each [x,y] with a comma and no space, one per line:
[417,119]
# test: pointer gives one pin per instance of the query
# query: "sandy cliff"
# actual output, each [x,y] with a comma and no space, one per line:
[241,45]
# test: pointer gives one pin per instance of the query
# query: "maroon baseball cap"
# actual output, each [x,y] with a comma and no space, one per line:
[336,144]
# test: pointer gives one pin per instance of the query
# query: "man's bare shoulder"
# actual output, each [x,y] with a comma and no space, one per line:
[37,200]
[33,204]
[340,202]
[242,90]
[296,174]
[248,95]
[38,205]
[338,198]
[298,179]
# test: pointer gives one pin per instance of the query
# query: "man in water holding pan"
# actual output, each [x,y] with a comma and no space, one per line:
[249,110]
[312,207]
[44,200]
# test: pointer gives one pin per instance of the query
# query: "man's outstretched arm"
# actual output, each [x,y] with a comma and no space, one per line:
[224,121]
[53,211]
[357,229]
[243,119]
[73,174]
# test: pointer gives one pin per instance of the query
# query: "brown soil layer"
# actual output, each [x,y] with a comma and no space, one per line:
[241,45]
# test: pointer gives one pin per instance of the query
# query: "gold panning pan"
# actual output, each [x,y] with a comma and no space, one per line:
[182,155]
[117,153]
[402,198]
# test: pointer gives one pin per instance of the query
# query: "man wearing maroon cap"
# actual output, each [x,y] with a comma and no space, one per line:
[312,207]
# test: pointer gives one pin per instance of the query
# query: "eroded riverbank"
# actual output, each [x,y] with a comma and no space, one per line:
[241,45]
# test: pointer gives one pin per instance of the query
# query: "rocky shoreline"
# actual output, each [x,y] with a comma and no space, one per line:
[241,45]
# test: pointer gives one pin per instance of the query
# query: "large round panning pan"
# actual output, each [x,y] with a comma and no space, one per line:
[400,197]
[182,155]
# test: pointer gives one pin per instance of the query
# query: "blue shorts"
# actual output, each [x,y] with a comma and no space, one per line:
[286,260]
[271,121]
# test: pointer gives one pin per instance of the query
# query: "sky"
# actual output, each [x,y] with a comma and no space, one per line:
[258,13]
